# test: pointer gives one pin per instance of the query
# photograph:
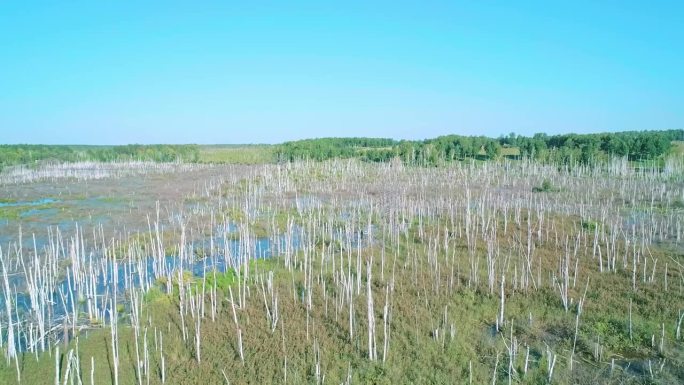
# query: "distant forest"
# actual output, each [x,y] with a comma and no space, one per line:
[13,154]
[557,149]
[562,149]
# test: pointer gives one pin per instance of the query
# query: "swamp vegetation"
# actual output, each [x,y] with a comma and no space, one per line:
[346,271]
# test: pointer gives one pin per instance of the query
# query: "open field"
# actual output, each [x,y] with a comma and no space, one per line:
[237,154]
[344,272]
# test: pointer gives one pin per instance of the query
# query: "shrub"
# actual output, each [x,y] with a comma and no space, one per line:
[546,186]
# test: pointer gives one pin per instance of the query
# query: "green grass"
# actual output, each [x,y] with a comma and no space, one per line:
[510,151]
[590,225]
[15,212]
[237,154]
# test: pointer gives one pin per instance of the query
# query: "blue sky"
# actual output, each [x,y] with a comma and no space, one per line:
[232,72]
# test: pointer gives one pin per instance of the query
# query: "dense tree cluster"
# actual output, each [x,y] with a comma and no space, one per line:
[429,151]
[29,153]
[588,148]
[26,154]
[448,148]
[154,153]
[561,149]
[328,148]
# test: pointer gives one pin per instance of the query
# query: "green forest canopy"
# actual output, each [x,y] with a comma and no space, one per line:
[562,149]
[567,148]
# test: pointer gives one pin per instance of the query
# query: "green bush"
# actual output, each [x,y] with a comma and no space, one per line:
[546,186]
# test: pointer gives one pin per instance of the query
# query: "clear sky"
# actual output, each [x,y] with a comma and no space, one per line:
[196,72]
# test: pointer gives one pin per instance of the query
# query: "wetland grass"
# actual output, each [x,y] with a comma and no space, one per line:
[383,274]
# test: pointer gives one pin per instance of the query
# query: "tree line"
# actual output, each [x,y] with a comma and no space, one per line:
[557,149]
[14,154]
[588,148]
[329,148]
[560,149]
